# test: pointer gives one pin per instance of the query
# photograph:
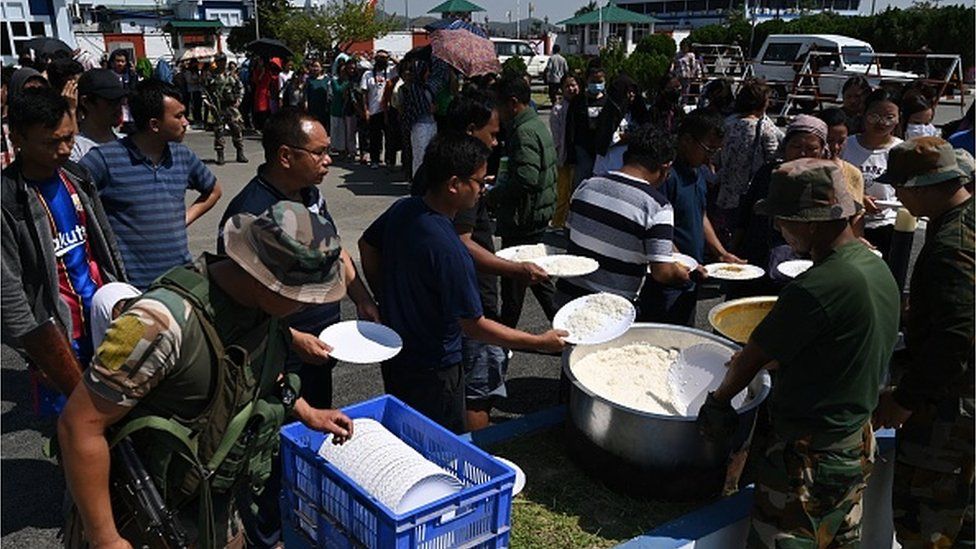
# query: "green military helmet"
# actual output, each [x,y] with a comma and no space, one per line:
[808,189]
[290,250]
[925,161]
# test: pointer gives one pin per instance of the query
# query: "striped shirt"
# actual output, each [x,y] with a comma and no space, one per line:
[622,222]
[145,203]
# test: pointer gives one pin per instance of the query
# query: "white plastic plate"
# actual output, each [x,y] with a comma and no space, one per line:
[891,204]
[361,342]
[610,330]
[537,250]
[519,475]
[795,267]
[734,271]
[555,265]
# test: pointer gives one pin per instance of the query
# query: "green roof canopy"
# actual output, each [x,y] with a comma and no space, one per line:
[193,24]
[456,6]
[610,14]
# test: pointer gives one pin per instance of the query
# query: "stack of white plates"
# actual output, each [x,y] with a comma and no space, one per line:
[388,469]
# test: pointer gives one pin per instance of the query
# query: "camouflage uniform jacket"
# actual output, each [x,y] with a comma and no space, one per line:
[155,359]
[226,89]
[940,329]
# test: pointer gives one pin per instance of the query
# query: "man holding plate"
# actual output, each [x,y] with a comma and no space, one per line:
[828,341]
[425,279]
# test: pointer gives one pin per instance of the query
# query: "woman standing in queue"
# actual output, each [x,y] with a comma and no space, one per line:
[869,152]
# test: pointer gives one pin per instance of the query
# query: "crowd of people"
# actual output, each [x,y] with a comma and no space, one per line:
[177,350]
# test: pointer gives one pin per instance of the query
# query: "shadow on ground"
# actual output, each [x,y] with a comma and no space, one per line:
[529,394]
[365,181]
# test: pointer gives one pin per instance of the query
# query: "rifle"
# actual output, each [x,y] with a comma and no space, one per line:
[49,350]
[159,527]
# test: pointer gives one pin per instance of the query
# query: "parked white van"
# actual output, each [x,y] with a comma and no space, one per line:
[508,47]
[782,55]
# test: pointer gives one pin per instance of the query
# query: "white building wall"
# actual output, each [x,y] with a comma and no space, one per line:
[91,42]
[397,43]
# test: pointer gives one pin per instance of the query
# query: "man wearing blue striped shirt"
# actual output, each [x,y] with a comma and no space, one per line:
[142,180]
[623,221]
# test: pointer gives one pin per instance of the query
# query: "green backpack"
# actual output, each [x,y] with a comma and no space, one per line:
[235,438]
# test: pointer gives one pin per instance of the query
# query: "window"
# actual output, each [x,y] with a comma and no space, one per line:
[594,35]
[781,53]
[857,55]
[640,31]
[525,50]
[618,29]
[15,33]
[507,49]
[229,17]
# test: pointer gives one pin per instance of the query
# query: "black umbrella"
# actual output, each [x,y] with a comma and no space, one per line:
[48,45]
[267,47]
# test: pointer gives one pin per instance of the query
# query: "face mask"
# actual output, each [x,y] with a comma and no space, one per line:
[595,88]
[920,130]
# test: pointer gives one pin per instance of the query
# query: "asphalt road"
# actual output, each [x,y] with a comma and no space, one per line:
[31,485]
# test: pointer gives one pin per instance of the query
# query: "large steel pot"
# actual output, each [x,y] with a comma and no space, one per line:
[645,451]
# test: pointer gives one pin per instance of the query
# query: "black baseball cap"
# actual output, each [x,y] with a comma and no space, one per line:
[101,82]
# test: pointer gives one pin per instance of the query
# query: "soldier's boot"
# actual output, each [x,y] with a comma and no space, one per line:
[240,156]
[220,157]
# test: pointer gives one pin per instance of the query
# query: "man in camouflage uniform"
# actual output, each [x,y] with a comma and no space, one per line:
[932,404]
[827,342]
[158,359]
[225,91]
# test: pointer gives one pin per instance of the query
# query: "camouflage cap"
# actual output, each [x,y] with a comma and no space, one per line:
[925,161]
[292,251]
[808,189]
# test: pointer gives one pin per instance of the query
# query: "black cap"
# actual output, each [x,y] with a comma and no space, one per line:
[103,83]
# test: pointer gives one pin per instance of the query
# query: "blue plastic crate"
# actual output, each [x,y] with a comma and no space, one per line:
[330,510]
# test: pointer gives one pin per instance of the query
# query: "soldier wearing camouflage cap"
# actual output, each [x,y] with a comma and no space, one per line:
[827,342]
[201,347]
[932,403]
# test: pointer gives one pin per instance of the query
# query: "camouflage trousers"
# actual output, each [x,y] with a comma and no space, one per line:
[932,495]
[808,492]
[229,118]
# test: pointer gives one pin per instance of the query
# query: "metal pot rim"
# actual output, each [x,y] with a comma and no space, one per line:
[750,405]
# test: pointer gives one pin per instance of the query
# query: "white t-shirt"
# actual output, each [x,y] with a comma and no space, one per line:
[283,78]
[82,145]
[373,83]
[872,163]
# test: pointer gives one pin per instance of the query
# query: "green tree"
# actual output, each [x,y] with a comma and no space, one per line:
[337,23]
[585,9]
[657,44]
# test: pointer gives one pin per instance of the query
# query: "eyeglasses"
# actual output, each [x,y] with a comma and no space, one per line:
[320,155]
[481,182]
[887,120]
[711,151]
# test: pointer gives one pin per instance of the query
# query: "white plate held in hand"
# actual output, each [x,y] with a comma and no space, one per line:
[566,266]
[361,342]
[734,271]
[605,327]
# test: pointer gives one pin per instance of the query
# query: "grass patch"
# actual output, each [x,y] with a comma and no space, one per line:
[562,507]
